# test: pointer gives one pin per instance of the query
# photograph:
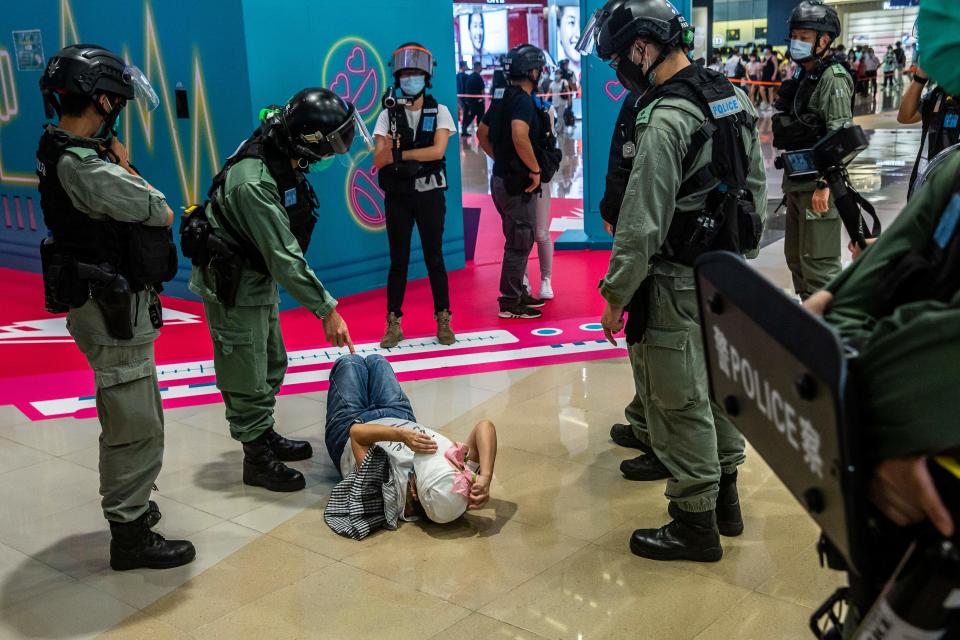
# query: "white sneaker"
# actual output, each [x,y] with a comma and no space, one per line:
[546,291]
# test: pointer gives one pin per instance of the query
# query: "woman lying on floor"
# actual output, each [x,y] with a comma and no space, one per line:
[393,468]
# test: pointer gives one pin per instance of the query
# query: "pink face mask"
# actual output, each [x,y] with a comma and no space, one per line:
[463,480]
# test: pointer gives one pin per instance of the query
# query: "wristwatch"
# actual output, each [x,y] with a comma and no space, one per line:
[919,80]
[821,183]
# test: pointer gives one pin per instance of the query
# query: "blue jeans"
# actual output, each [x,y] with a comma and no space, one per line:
[361,390]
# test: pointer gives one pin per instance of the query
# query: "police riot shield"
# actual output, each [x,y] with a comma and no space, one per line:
[780,374]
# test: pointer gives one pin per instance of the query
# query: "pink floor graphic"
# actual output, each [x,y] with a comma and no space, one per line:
[45,376]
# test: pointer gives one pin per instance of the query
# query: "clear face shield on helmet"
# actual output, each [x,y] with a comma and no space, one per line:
[349,142]
[587,43]
[142,90]
[412,57]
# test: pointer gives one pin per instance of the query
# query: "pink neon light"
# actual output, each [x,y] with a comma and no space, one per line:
[30,215]
[611,90]
[370,192]
[16,205]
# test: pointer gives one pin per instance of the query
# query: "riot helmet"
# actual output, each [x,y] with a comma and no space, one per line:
[522,60]
[91,71]
[412,56]
[317,124]
[615,28]
[815,16]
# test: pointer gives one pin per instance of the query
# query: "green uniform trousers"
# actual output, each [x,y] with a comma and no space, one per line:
[128,406]
[691,435]
[634,412]
[812,243]
[250,361]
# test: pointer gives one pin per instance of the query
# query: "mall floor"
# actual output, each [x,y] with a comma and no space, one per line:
[548,558]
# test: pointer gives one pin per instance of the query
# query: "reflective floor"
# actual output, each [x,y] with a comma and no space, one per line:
[547,559]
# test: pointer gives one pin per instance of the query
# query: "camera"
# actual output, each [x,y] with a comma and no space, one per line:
[829,159]
[391,98]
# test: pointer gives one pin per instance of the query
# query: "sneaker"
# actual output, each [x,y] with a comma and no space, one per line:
[528,300]
[445,334]
[518,310]
[546,291]
[394,333]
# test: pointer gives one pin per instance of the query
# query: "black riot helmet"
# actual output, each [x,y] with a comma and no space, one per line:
[316,123]
[615,27]
[816,16]
[90,71]
[521,60]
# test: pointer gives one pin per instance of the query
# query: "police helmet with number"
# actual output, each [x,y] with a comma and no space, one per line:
[615,27]
[317,123]
[90,70]
[816,16]
[522,59]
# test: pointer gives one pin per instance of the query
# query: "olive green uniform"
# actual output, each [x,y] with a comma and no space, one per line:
[248,352]
[812,242]
[692,437]
[909,360]
[128,398]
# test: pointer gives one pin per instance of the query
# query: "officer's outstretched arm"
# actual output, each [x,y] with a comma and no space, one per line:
[259,216]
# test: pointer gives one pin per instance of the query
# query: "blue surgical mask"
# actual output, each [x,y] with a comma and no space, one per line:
[800,50]
[413,86]
[320,165]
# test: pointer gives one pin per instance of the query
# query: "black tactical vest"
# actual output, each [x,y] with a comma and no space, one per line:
[941,120]
[426,130]
[143,255]
[297,197]
[794,127]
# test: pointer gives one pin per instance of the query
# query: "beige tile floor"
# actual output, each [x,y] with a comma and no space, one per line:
[548,558]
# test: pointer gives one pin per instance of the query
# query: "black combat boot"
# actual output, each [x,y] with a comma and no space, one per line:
[729,519]
[622,434]
[288,450]
[134,546]
[645,467]
[262,469]
[692,536]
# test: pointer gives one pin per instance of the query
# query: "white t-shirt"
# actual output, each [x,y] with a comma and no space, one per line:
[441,120]
[731,65]
[401,457]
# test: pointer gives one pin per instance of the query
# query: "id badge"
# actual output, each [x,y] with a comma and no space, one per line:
[629,150]
[428,123]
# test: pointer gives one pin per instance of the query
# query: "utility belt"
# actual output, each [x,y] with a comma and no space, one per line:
[69,283]
[205,249]
[729,222]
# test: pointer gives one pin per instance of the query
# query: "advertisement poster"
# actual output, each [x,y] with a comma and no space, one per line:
[29,48]
[483,35]
[568,32]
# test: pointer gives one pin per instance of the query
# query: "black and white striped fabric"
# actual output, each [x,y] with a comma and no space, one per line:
[365,501]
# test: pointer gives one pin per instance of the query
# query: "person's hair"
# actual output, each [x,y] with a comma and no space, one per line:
[463,64]
[74,104]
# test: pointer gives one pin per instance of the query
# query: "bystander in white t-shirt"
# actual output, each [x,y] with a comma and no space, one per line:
[441,120]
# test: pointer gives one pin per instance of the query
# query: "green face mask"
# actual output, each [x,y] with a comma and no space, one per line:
[320,165]
[940,42]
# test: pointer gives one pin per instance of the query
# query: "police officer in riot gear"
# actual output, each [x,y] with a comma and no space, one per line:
[695,178]
[516,135]
[251,235]
[939,113]
[816,101]
[108,250]
[411,137]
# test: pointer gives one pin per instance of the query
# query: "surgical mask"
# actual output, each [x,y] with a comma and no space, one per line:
[800,50]
[413,85]
[320,165]
[941,43]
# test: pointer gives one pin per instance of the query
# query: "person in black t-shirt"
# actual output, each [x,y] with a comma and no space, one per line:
[473,108]
[508,133]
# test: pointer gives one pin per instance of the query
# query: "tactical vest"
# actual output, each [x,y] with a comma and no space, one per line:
[544,144]
[619,161]
[143,255]
[297,197]
[425,133]
[795,127]
[944,128]
[729,220]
